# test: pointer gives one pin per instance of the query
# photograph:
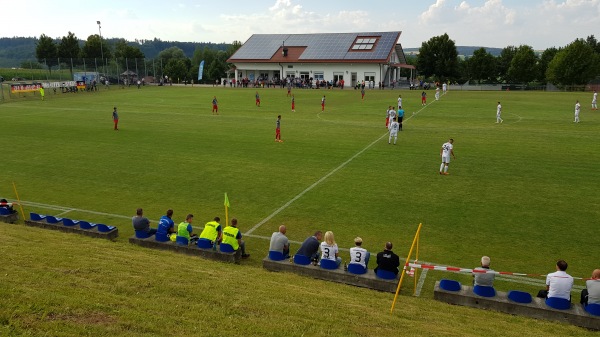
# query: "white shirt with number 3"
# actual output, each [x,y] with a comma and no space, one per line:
[358,255]
[328,252]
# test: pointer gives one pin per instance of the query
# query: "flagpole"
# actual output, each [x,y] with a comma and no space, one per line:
[226,203]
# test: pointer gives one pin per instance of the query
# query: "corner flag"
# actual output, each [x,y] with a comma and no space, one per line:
[226,203]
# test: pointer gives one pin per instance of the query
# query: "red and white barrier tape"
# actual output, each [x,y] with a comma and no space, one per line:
[475,271]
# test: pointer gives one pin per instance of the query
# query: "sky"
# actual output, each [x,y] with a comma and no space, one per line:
[489,23]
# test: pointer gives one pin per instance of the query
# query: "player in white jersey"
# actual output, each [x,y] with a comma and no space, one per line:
[595,101]
[392,115]
[399,101]
[394,127]
[444,88]
[437,93]
[577,110]
[498,113]
[446,151]
[358,254]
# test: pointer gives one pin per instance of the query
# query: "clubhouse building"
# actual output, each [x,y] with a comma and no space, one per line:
[353,57]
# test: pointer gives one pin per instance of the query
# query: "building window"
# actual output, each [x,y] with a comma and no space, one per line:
[304,75]
[369,77]
[364,43]
[319,75]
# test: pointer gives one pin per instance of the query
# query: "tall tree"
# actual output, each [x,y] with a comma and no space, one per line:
[543,62]
[46,52]
[592,42]
[125,53]
[522,66]
[503,62]
[171,53]
[177,70]
[576,64]
[438,58]
[482,65]
[69,50]
[95,47]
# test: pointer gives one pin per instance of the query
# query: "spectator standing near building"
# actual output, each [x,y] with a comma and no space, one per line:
[387,260]
[446,151]
[484,278]
[233,236]
[559,283]
[115,117]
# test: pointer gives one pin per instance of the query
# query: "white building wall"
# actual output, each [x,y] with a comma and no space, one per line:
[363,70]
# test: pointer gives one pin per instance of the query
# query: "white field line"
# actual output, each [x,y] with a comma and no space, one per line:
[342,165]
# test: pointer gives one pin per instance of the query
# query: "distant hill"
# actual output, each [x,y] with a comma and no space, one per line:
[15,50]
[462,50]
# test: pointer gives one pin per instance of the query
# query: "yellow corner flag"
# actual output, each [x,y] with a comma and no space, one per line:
[226,203]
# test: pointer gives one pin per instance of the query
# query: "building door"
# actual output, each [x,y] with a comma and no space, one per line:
[353,79]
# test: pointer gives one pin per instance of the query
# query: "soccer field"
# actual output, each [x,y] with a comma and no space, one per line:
[523,192]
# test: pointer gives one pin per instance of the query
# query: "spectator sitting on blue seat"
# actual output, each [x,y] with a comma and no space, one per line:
[388,260]
[358,254]
[280,242]
[591,294]
[310,247]
[559,283]
[185,229]
[484,279]
[329,249]
[166,225]
[141,223]
[233,236]
[8,205]
[213,231]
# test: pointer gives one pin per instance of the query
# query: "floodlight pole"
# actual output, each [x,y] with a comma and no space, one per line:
[101,49]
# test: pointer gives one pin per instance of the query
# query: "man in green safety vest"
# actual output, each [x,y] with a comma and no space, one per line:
[212,231]
[233,237]
[185,229]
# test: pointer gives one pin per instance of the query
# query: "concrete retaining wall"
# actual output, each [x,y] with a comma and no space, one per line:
[536,309]
[190,250]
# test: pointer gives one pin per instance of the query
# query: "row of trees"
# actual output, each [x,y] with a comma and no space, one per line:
[574,64]
[175,63]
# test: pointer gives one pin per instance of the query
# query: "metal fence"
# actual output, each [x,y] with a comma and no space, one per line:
[116,70]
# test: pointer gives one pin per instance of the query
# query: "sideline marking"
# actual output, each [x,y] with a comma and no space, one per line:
[342,165]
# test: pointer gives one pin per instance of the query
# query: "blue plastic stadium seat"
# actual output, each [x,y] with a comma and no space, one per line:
[385,274]
[329,264]
[519,296]
[142,234]
[276,256]
[182,240]
[104,228]
[301,260]
[53,219]
[69,223]
[205,243]
[484,291]
[355,268]
[226,248]
[4,211]
[36,217]
[450,285]
[558,303]
[593,309]
[86,225]
[162,237]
